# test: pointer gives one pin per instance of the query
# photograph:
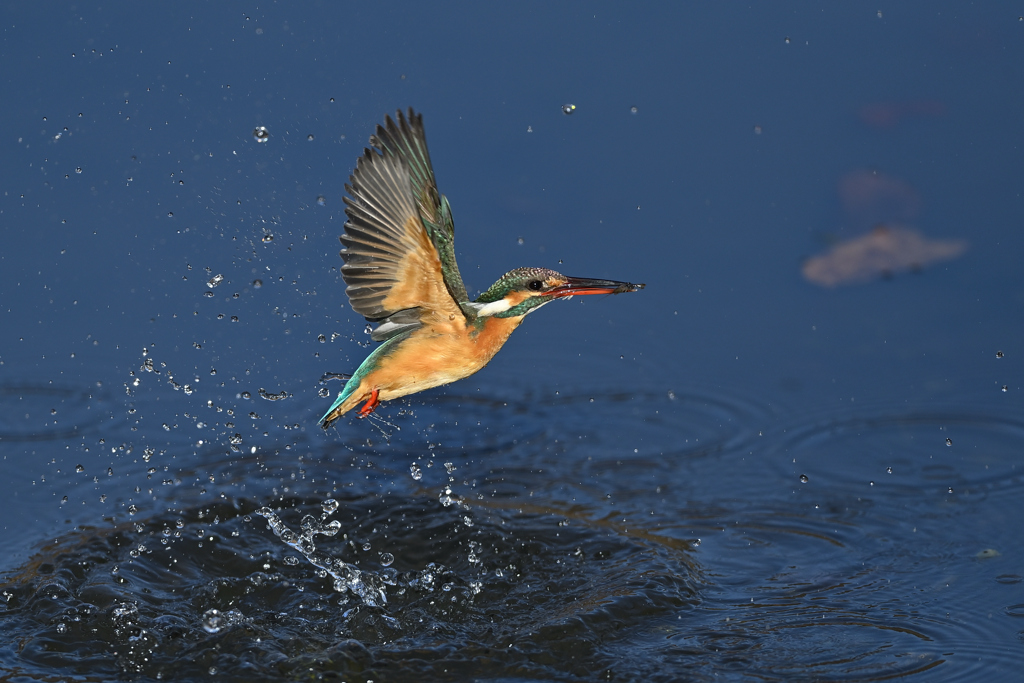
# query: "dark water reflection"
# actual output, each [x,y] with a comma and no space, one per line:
[615,536]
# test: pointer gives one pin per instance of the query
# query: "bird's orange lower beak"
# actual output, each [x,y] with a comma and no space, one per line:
[583,285]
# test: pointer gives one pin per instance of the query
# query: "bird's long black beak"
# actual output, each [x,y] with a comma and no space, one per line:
[584,285]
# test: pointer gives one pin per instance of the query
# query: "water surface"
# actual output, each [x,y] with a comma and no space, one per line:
[736,473]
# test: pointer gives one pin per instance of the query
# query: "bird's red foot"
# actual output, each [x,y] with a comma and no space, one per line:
[370,405]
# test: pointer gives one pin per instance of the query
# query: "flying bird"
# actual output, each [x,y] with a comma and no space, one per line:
[400,272]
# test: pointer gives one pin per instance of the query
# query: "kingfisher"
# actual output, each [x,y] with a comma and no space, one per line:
[401,275]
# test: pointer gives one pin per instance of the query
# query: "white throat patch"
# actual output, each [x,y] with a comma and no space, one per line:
[499,306]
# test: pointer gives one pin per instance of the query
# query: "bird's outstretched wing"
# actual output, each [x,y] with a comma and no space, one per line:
[399,255]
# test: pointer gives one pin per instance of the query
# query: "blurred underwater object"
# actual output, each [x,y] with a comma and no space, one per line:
[890,114]
[883,252]
[870,197]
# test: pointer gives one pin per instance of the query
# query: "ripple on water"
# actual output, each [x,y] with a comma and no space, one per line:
[44,412]
[927,522]
[905,454]
[579,436]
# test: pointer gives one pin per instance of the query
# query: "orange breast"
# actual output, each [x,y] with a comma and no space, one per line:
[438,354]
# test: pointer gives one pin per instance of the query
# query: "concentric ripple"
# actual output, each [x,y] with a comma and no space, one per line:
[906,453]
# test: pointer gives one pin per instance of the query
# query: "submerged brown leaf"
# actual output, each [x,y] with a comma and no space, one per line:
[884,251]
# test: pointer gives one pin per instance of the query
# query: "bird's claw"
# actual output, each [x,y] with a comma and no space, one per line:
[370,405]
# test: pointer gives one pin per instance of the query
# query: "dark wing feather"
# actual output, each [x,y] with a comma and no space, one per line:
[398,238]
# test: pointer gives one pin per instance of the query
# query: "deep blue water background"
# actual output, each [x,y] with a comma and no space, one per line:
[130,177]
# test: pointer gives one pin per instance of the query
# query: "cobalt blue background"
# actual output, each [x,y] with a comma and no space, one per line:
[130,176]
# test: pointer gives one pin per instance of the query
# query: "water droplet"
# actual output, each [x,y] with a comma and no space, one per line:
[62,628]
[234,318]
[368,329]
[110,471]
[415,471]
[79,468]
[879,14]
[78,170]
[804,479]
[215,280]
[246,395]
[310,137]
[330,505]
[208,294]
[386,559]
[888,470]
[787,40]
[291,560]
[950,490]
[520,240]
[949,441]
[261,134]
[633,110]
[999,354]
[568,109]
[321,200]
[257,284]
[1005,388]
[170,214]
[280,396]
[322,338]
[757,130]
[268,238]
[132,509]
[213,621]
[671,395]
[871,483]
[367,547]
[324,392]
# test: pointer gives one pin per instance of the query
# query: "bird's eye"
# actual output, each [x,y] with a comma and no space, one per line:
[536,285]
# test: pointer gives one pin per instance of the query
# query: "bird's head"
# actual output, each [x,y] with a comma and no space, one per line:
[523,290]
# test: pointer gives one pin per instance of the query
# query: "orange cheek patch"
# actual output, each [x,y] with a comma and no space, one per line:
[516,298]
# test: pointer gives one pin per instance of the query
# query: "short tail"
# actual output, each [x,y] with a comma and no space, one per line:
[345,402]
[339,408]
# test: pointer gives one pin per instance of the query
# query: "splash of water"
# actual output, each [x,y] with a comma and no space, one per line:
[367,586]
